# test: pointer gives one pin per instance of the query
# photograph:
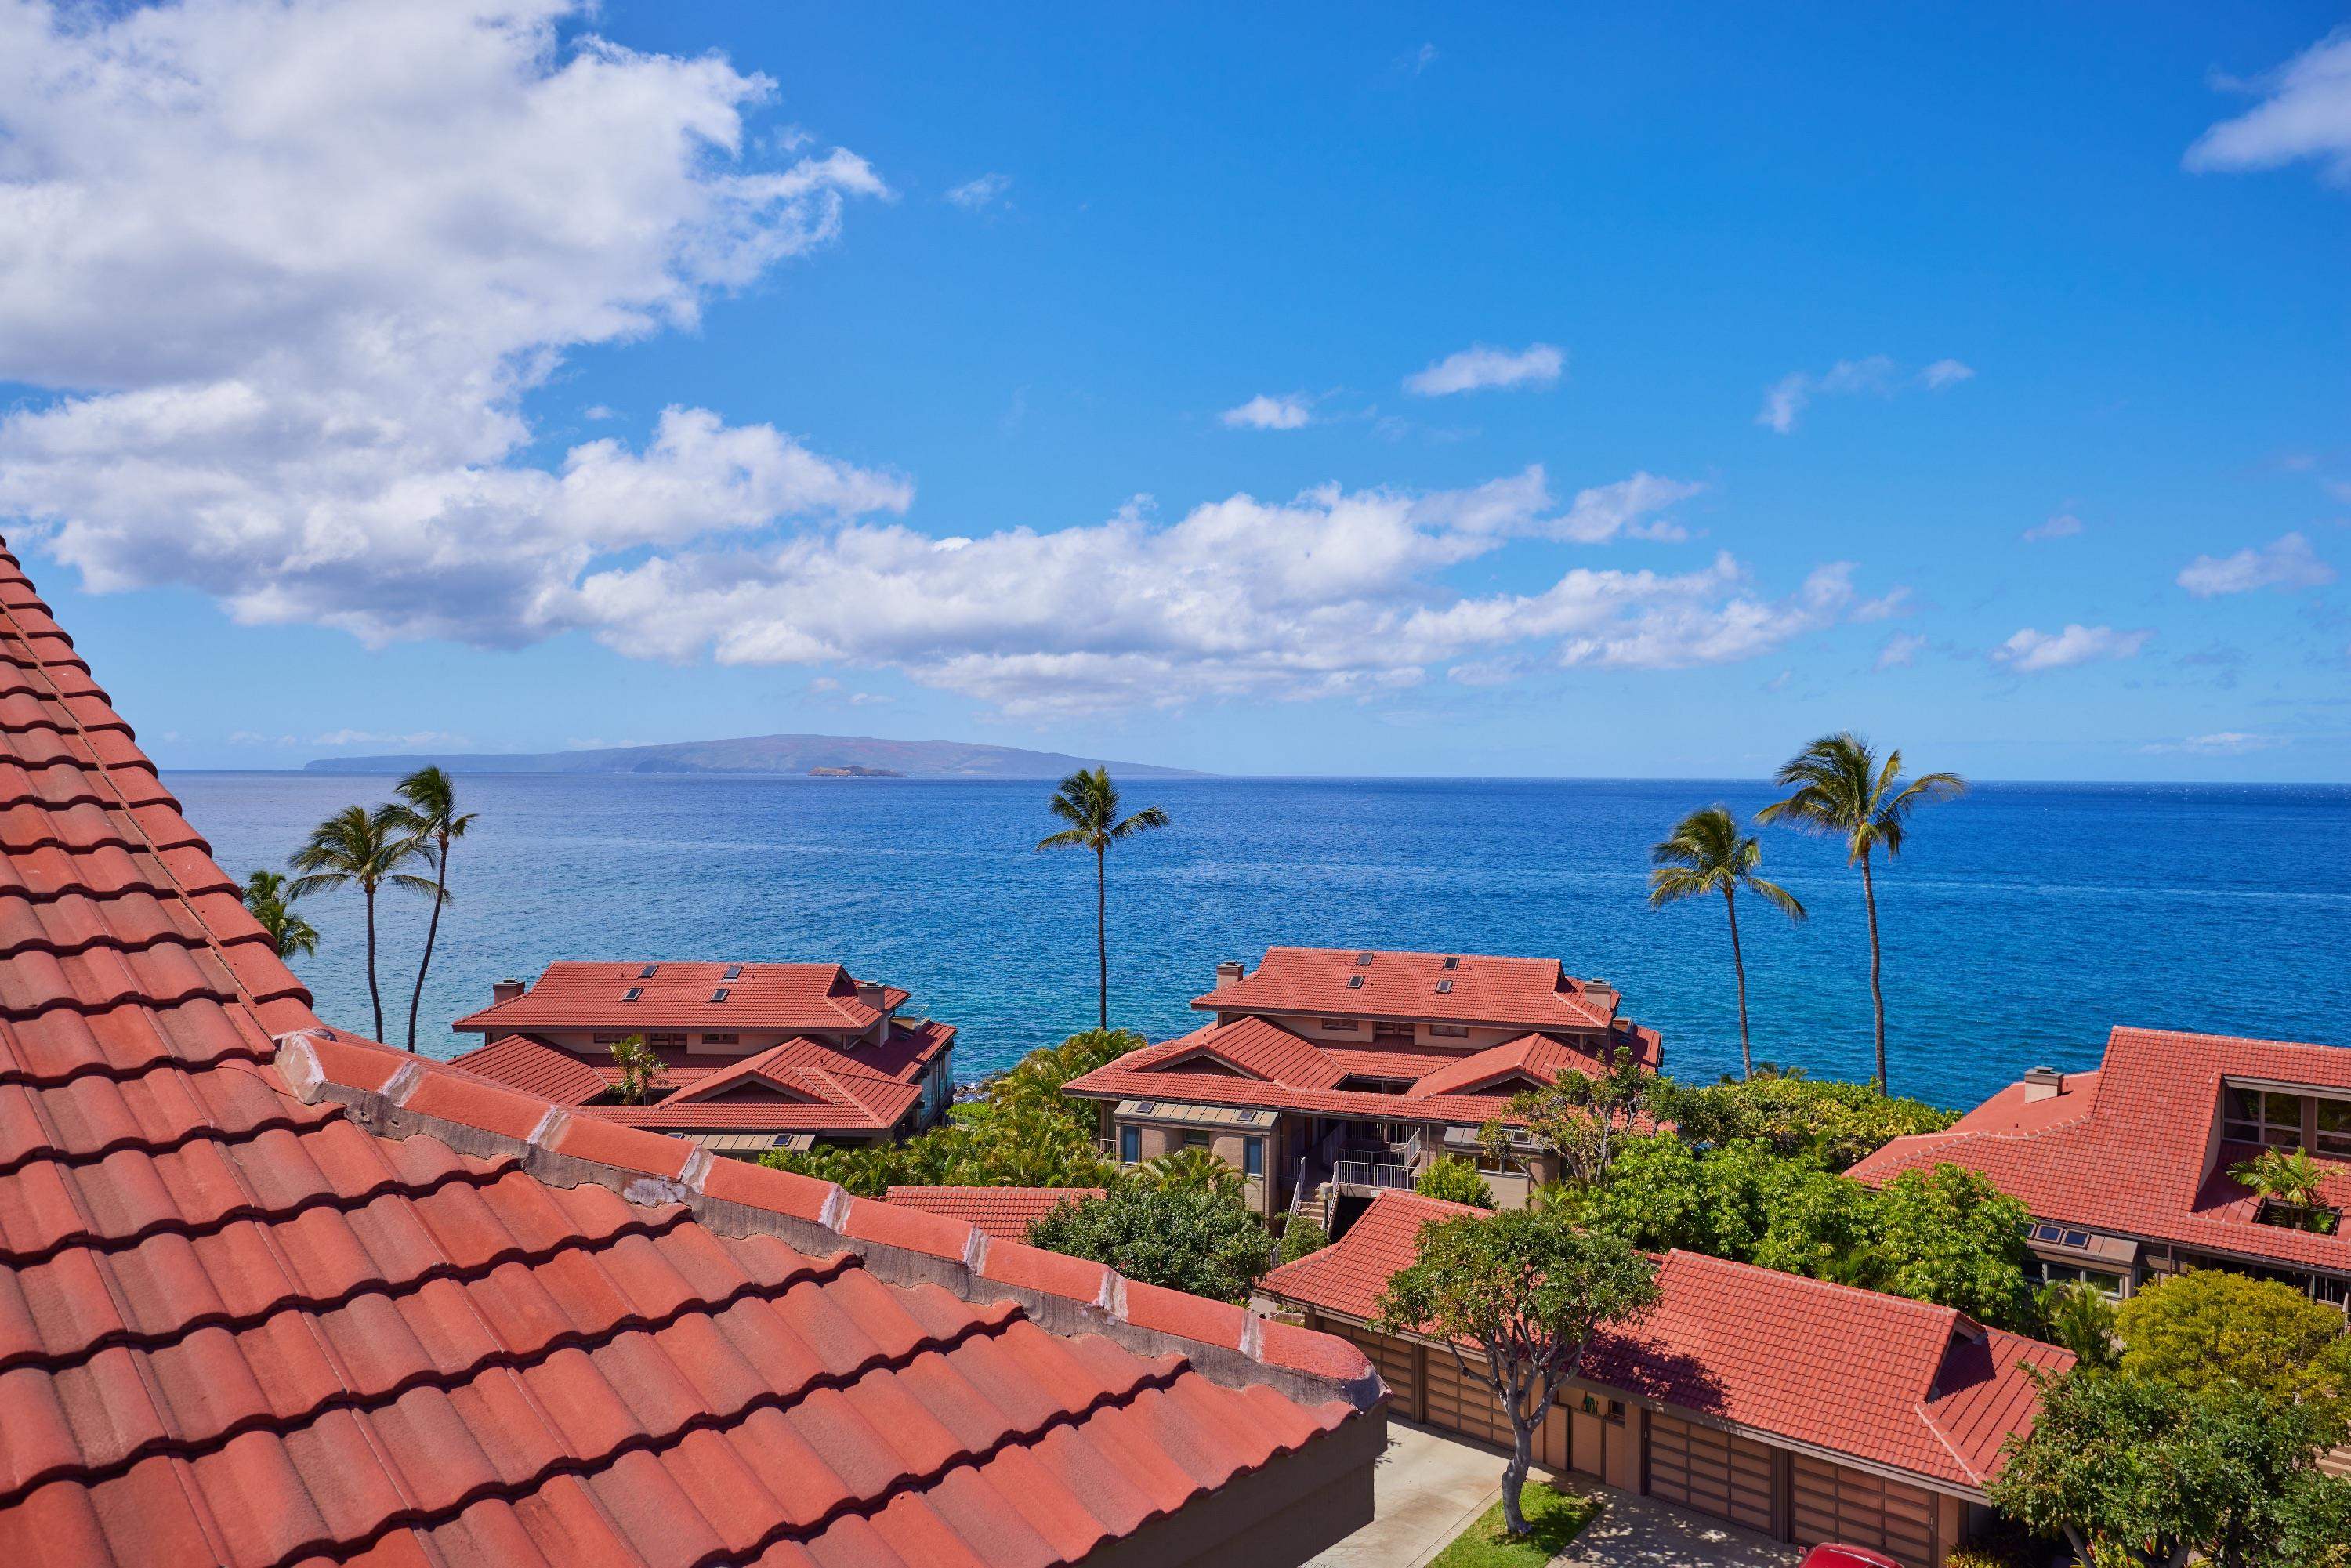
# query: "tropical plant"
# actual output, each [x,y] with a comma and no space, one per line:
[1707,854]
[2292,1179]
[640,1065]
[1580,1116]
[1455,1181]
[427,812]
[265,899]
[1843,790]
[1833,1123]
[1183,1238]
[362,849]
[2135,1470]
[1300,1237]
[1192,1170]
[1526,1291]
[2210,1326]
[1950,1236]
[2083,1319]
[1089,802]
[2317,1531]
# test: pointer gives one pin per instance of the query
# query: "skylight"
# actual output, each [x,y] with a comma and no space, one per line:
[734,972]
[1444,988]
[633,993]
[649,971]
[1452,963]
[1362,960]
[719,994]
[1355,982]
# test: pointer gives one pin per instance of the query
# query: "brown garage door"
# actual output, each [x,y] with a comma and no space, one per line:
[1712,1471]
[1466,1407]
[1390,1356]
[1834,1503]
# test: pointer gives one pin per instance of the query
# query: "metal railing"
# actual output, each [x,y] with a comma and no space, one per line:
[1367,1173]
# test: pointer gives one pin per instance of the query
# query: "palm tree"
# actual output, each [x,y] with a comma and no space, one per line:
[265,898]
[362,849]
[427,812]
[1707,854]
[1842,788]
[1088,802]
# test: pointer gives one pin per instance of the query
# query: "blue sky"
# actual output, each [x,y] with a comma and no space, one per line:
[1377,391]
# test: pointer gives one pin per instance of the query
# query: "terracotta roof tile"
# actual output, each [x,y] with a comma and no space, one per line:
[1511,993]
[1876,1377]
[819,997]
[1004,1212]
[270,1294]
[2124,1149]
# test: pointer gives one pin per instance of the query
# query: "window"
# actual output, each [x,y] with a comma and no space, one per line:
[666,1037]
[719,994]
[1362,960]
[1129,1146]
[734,972]
[633,993]
[649,971]
[1253,1156]
[2334,1128]
[1444,988]
[1355,982]
[1196,1140]
[2075,1273]
[719,1037]
[612,1036]
[2263,1116]
[1451,963]
[1449,1030]
[1342,1026]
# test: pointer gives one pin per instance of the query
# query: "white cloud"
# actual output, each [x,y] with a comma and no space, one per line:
[1480,367]
[1628,506]
[2222,743]
[2063,526]
[1785,400]
[2304,112]
[288,273]
[1264,413]
[2031,652]
[598,412]
[1886,607]
[979,195]
[1421,59]
[1901,651]
[2285,563]
[414,740]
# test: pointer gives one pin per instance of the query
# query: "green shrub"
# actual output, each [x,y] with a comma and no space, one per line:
[1187,1238]
[1301,1236]
[1455,1181]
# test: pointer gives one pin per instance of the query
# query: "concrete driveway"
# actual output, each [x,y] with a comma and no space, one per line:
[1426,1490]
[1642,1532]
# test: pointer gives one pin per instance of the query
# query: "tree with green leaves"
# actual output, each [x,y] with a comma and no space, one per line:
[1527,1292]
[1183,1238]
[1707,854]
[1304,1235]
[427,812]
[2083,1319]
[2132,1469]
[640,1066]
[1582,1117]
[1089,803]
[1950,1236]
[2210,1326]
[366,849]
[2292,1179]
[1819,1119]
[266,900]
[1841,789]
[1455,1180]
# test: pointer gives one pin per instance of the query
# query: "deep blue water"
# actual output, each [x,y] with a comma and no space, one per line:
[2020,924]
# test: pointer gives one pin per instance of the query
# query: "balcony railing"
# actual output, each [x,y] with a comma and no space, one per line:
[1368,1173]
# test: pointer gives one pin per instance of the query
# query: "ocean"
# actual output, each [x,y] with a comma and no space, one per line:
[2020,924]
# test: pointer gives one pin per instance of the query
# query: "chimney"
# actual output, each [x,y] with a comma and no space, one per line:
[869,994]
[2042,1084]
[506,990]
[1228,973]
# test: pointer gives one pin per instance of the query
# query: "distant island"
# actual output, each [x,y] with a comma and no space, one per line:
[819,756]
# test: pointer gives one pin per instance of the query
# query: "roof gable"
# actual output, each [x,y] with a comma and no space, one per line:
[1453,987]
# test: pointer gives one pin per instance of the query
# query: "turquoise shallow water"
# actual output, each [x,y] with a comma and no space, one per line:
[2023,922]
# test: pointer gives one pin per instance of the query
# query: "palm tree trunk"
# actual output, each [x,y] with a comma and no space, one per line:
[1102,933]
[431,929]
[374,996]
[1877,991]
[1739,966]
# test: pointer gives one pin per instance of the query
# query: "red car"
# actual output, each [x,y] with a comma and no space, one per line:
[1828,1555]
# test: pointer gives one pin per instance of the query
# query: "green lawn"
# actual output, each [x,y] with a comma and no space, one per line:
[1553,1517]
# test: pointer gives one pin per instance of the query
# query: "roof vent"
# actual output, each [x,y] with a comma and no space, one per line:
[1444,988]
[734,972]
[633,993]
[1355,982]
[649,971]
[719,994]
[1451,962]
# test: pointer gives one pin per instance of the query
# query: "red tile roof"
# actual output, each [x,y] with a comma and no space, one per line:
[1893,1382]
[2124,1149]
[795,997]
[1509,993]
[1507,1067]
[271,1295]
[1267,1067]
[1004,1212]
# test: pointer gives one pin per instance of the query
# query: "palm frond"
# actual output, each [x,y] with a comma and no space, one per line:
[1779,897]
[1067,839]
[1145,821]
